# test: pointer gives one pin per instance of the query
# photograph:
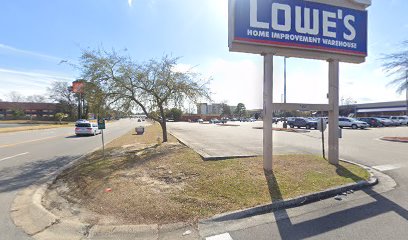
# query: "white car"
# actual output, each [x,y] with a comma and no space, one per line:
[352,123]
[86,128]
[402,120]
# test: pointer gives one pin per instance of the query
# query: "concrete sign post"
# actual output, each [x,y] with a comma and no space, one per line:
[330,30]
[267,111]
[334,112]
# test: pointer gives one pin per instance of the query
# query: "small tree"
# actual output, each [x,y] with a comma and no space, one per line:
[240,110]
[175,114]
[60,116]
[151,87]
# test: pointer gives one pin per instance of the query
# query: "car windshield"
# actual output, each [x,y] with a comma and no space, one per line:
[83,125]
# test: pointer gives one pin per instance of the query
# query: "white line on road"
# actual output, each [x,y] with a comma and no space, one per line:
[386,167]
[224,236]
[14,156]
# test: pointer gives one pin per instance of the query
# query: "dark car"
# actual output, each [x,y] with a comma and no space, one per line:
[304,122]
[373,122]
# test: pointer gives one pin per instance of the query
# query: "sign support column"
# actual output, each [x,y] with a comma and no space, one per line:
[267,111]
[334,112]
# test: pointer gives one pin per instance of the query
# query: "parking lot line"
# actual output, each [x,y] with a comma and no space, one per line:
[14,156]
[224,236]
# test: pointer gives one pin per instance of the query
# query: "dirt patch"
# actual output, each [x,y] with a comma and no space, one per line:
[168,183]
[395,139]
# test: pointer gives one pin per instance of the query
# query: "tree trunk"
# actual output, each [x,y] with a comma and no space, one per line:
[164,129]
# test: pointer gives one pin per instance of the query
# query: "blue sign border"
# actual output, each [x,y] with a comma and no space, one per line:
[356,47]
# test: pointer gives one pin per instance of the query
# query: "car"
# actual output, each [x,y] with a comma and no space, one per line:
[371,121]
[402,120]
[352,123]
[386,122]
[304,122]
[200,120]
[86,128]
[214,120]
[290,120]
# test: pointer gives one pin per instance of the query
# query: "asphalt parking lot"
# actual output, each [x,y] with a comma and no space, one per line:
[215,141]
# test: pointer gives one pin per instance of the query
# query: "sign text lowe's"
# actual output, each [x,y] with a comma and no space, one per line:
[299,24]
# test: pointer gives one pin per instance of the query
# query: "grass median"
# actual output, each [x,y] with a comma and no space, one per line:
[143,182]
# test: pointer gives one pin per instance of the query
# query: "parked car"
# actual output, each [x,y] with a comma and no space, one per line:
[386,122]
[86,128]
[214,120]
[402,120]
[200,120]
[304,122]
[290,120]
[371,121]
[352,123]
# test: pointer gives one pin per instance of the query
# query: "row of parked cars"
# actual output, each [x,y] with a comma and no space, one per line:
[353,123]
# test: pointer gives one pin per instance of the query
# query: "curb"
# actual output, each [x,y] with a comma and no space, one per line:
[28,213]
[298,201]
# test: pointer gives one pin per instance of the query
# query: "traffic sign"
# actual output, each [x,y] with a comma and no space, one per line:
[101,123]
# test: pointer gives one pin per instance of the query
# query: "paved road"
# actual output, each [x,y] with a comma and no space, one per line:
[363,215]
[26,157]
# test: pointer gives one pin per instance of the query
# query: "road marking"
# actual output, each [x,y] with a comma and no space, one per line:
[34,140]
[386,167]
[224,236]
[14,156]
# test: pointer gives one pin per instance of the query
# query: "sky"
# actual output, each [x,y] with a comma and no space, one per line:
[37,35]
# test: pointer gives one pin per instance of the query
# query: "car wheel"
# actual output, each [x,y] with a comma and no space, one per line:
[291,126]
[298,126]
[341,126]
[354,126]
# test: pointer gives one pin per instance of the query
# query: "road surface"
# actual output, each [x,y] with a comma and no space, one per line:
[27,157]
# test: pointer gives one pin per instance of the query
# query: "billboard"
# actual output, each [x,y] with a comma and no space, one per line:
[299,28]
[78,86]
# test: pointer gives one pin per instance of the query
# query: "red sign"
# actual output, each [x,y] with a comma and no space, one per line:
[78,87]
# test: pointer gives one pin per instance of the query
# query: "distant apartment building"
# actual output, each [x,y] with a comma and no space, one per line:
[12,110]
[209,109]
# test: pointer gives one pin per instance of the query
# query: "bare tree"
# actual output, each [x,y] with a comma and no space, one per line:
[152,86]
[36,99]
[396,65]
[15,96]
[59,92]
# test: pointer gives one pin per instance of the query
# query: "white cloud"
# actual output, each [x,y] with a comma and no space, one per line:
[28,83]
[130,3]
[7,48]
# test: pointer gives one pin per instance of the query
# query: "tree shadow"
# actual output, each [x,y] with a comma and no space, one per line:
[22,176]
[331,221]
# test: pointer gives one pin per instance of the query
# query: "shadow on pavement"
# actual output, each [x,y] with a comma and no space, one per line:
[333,221]
[17,177]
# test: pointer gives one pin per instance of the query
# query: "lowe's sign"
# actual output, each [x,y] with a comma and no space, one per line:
[306,27]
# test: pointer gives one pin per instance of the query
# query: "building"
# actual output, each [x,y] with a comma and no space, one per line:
[209,109]
[395,108]
[27,110]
